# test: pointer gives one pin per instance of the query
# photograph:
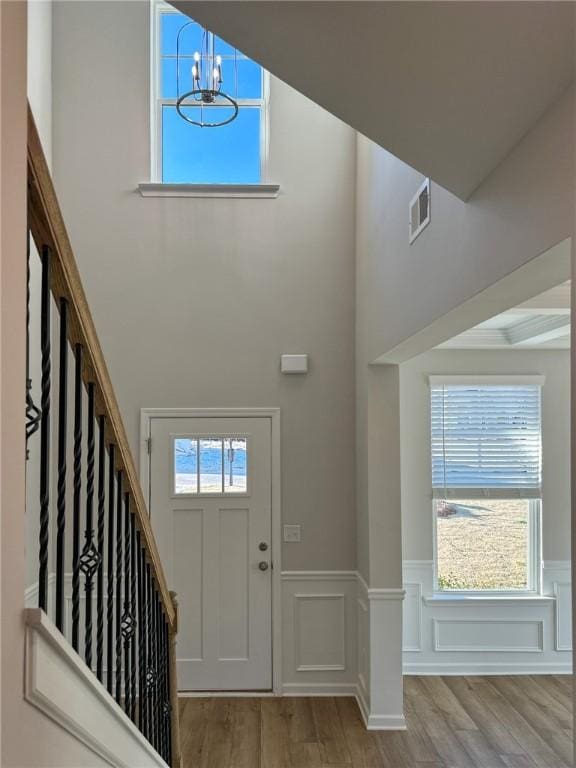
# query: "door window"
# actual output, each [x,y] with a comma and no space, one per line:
[205,465]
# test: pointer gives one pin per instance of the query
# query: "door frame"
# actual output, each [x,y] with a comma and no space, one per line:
[146,416]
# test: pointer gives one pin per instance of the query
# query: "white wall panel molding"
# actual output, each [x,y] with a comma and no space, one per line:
[363,639]
[59,684]
[477,602]
[448,634]
[319,632]
[488,635]
[412,618]
[557,581]
[386,594]
[385,703]
[563,615]
[319,576]
[379,691]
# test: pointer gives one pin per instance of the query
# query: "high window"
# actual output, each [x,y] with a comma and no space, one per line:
[486,478]
[188,154]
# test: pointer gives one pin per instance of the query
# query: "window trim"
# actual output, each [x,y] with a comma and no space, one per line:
[534,574]
[158,7]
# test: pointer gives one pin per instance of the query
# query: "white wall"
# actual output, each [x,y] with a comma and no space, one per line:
[40,70]
[536,633]
[39,87]
[417,518]
[195,300]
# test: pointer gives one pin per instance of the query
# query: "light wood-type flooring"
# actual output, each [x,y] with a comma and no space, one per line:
[453,722]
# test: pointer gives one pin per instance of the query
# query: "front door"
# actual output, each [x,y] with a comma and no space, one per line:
[210,506]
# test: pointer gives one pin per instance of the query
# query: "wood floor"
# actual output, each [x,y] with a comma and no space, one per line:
[453,722]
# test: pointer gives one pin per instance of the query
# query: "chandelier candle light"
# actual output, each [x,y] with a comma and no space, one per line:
[207,84]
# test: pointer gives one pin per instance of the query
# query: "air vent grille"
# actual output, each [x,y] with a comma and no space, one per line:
[420,210]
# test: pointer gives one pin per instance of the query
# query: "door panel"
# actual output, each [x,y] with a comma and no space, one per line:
[210,506]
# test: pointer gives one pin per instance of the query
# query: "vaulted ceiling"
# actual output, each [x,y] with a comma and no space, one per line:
[448,87]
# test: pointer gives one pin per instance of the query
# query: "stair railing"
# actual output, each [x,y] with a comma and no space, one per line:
[94,529]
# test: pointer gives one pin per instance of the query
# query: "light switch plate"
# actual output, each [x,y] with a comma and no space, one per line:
[292,533]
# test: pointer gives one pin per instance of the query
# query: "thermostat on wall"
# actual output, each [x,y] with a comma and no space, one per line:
[294,364]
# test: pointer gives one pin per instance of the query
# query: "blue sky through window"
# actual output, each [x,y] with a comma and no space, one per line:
[190,154]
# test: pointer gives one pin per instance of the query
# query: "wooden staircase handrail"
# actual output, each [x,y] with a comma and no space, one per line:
[48,229]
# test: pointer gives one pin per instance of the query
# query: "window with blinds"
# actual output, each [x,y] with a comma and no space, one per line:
[486,440]
[486,452]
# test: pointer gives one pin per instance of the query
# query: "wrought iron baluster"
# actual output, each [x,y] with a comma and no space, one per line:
[78,394]
[141,567]
[119,588]
[164,711]
[45,429]
[110,575]
[168,693]
[62,435]
[160,714]
[150,670]
[127,619]
[100,539]
[134,619]
[32,410]
[90,558]
[155,638]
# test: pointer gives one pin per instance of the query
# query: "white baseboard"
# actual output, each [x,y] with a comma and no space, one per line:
[378,722]
[474,669]
[319,689]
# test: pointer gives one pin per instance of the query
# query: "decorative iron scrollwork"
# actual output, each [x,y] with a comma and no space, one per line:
[33,414]
[151,678]
[127,625]
[90,560]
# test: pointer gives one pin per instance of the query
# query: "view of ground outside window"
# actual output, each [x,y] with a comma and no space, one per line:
[483,545]
[486,478]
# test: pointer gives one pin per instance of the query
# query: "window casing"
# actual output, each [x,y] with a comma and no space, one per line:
[182,153]
[486,451]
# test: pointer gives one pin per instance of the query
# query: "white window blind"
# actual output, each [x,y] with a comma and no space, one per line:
[486,440]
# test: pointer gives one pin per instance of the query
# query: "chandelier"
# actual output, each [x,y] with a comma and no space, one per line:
[207,81]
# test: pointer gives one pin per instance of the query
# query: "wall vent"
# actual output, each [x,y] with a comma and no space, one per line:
[420,210]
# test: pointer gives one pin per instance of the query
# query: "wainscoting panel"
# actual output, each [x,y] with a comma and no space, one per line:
[363,619]
[319,632]
[556,580]
[491,636]
[412,618]
[488,635]
[563,594]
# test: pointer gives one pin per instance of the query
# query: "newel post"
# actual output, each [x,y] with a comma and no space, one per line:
[176,754]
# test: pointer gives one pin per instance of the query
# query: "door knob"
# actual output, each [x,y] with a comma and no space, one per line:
[263,565]
[262,546]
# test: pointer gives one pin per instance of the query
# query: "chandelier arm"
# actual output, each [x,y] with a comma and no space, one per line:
[182,28]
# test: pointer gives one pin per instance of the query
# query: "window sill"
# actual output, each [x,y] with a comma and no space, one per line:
[153,189]
[475,601]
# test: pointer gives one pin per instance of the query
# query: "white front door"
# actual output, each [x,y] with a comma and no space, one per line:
[210,506]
